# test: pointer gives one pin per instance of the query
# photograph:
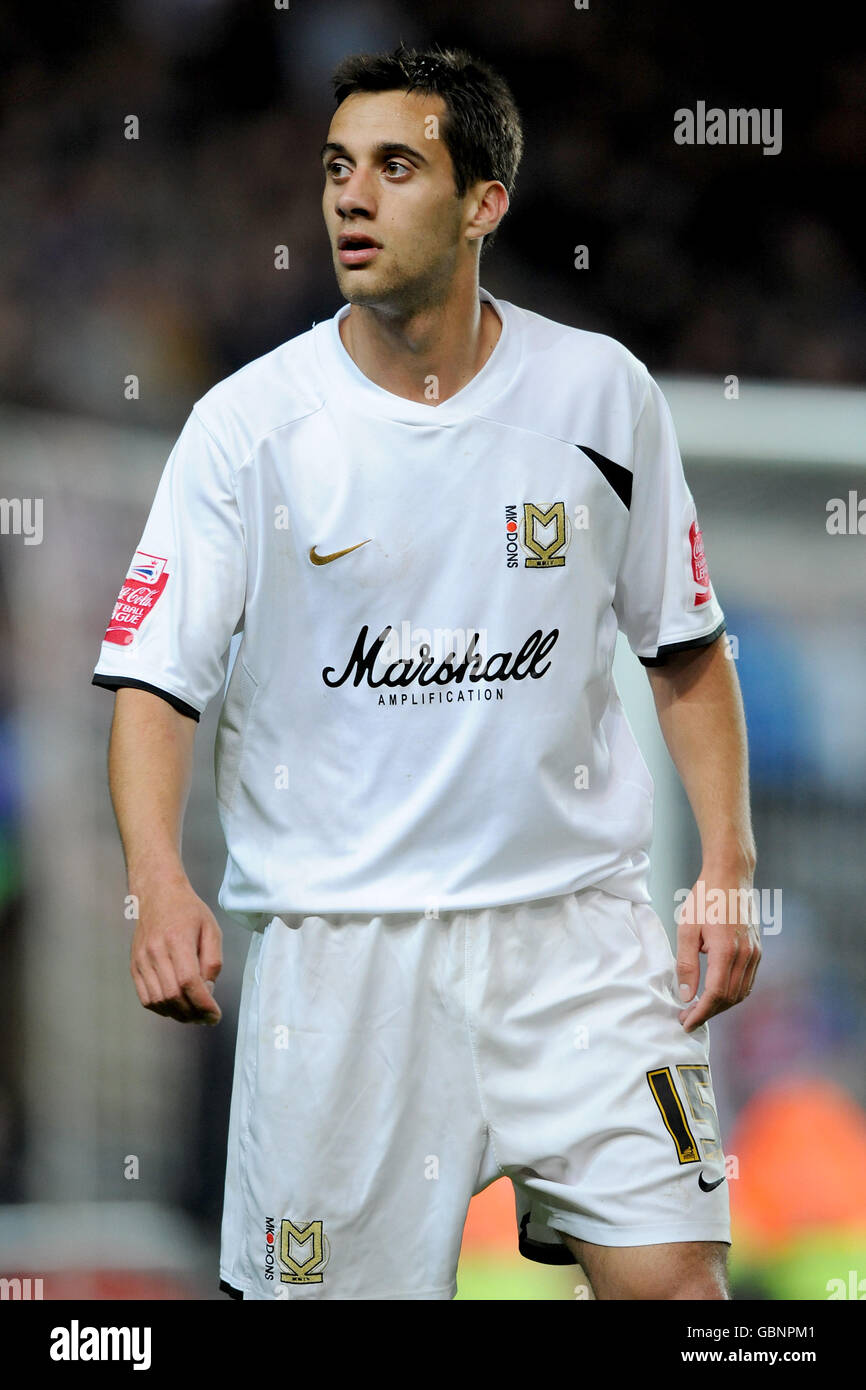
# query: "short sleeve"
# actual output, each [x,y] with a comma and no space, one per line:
[664,601]
[184,593]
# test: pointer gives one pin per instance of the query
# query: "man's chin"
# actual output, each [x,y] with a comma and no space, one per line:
[356,291]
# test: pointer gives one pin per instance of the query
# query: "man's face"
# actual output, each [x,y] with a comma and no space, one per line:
[388,182]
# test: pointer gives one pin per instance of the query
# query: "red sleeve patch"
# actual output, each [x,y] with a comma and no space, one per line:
[141,589]
[700,572]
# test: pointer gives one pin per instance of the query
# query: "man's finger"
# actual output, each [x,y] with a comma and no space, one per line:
[192,988]
[688,960]
[751,972]
[740,970]
[715,996]
[170,992]
[703,1009]
[210,951]
[141,988]
[148,987]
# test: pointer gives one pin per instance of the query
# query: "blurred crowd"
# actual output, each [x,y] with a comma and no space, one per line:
[154,256]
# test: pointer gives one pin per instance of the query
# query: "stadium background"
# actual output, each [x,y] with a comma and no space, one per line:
[156,257]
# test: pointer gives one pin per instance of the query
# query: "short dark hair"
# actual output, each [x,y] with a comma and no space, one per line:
[482,131]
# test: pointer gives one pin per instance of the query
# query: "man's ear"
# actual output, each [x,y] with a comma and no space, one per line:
[491,206]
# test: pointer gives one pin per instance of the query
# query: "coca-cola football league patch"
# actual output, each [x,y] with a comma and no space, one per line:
[700,572]
[140,591]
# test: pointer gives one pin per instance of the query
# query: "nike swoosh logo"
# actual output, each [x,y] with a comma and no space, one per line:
[326,559]
[708,1186]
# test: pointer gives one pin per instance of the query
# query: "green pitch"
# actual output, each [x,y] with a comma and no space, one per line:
[491,1278]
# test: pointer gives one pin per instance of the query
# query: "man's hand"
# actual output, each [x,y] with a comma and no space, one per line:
[176,954]
[719,920]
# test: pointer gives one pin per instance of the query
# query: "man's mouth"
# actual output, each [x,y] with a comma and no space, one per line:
[357,248]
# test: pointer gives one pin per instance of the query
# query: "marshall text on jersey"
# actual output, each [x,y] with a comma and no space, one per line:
[419,714]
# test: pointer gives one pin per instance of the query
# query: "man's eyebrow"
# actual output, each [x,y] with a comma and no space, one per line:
[385,147]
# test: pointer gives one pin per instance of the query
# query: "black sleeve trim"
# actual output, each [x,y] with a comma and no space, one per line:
[542,1252]
[663,653]
[117,682]
[230,1290]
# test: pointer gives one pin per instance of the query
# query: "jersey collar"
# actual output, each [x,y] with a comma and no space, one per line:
[364,394]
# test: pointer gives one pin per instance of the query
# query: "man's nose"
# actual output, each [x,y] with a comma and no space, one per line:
[357,194]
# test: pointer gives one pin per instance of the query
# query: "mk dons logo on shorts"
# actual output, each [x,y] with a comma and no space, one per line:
[544,533]
[304,1252]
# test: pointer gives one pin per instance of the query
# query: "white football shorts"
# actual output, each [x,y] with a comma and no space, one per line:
[390,1067]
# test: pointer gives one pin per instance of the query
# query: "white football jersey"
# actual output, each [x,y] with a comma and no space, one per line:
[420,713]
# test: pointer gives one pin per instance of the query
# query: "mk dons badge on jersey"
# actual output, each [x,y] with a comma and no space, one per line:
[304,1252]
[545,534]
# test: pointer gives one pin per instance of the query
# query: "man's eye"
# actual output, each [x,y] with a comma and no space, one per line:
[337,167]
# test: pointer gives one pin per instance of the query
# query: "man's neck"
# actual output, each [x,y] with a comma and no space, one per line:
[428,356]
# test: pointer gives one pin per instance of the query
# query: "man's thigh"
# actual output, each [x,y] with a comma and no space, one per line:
[356,1131]
[600,1106]
[678,1270]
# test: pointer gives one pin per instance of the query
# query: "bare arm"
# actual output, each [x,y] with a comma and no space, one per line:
[177,946]
[700,712]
